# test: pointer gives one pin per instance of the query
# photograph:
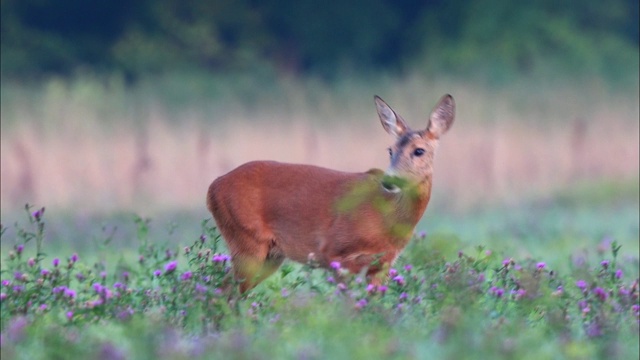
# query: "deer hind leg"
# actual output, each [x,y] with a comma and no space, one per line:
[253,260]
[271,263]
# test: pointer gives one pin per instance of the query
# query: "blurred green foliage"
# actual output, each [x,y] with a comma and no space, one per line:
[495,38]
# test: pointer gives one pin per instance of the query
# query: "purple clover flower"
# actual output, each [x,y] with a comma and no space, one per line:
[581,284]
[403,296]
[335,265]
[74,258]
[93,303]
[19,249]
[186,276]
[408,267]
[3,296]
[342,287]
[361,303]
[623,292]
[600,293]
[583,306]
[371,288]
[38,214]
[69,315]
[540,266]
[331,280]
[520,293]
[399,280]
[517,267]
[71,294]
[201,288]
[220,258]
[284,292]
[157,273]
[498,292]
[125,314]
[56,262]
[106,292]
[383,289]
[97,287]
[605,263]
[45,272]
[43,307]
[6,282]
[619,274]
[31,262]
[170,267]
[393,272]
[594,330]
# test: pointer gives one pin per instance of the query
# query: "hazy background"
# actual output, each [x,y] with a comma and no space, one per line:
[139,105]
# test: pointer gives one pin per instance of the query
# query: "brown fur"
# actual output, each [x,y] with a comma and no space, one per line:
[268,211]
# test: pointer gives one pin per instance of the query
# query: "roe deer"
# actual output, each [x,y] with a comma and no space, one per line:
[268,211]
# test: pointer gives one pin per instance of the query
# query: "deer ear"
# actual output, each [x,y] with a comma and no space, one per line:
[391,122]
[442,116]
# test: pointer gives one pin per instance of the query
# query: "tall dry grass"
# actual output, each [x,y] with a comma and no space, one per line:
[67,152]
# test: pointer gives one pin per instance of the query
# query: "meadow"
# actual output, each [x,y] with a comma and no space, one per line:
[562,285]
[529,248]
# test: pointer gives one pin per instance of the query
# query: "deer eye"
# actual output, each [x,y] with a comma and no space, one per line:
[418,152]
[390,152]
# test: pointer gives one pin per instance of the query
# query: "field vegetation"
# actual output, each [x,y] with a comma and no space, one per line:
[143,289]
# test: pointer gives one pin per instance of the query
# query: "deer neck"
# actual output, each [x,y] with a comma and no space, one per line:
[411,202]
[400,209]
[406,208]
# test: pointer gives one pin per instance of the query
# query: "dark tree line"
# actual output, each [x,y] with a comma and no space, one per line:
[150,36]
